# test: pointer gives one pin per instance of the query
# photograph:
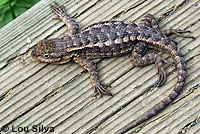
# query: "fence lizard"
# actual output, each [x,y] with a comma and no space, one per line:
[115,38]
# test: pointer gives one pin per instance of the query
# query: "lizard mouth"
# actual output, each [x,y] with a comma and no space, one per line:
[53,61]
[42,59]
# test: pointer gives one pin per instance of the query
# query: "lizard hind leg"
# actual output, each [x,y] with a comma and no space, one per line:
[62,15]
[150,21]
[177,32]
[139,59]
[92,69]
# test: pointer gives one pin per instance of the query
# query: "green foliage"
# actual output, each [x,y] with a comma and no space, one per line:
[11,9]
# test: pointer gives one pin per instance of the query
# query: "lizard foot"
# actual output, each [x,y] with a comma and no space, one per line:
[101,90]
[63,16]
[161,72]
[178,32]
[162,77]
[169,63]
[58,10]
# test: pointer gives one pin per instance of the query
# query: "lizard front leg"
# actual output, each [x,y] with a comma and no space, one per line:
[139,59]
[92,69]
[62,15]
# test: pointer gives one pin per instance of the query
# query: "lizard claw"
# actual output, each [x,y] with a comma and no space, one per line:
[161,72]
[162,77]
[101,89]
[59,10]
[56,18]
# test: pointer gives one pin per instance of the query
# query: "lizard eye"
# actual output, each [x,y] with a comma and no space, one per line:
[46,55]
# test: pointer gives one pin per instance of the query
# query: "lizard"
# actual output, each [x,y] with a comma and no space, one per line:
[115,38]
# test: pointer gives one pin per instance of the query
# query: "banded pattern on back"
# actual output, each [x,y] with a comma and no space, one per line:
[109,38]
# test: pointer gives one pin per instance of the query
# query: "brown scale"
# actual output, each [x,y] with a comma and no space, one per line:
[114,38]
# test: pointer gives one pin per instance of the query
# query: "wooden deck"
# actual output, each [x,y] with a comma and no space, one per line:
[60,96]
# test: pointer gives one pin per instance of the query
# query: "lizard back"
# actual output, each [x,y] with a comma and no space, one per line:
[107,39]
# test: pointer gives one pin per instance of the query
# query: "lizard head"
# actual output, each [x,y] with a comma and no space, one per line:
[48,51]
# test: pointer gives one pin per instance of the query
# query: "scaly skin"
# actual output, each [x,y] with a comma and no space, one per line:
[114,38]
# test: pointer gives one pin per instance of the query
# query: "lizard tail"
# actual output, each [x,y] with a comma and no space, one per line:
[180,65]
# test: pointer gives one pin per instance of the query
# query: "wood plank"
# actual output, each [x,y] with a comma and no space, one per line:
[60,96]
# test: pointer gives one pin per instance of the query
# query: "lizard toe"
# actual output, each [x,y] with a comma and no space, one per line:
[162,77]
[101,89]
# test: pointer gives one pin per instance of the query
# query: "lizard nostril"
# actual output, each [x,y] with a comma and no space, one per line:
[33,53]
